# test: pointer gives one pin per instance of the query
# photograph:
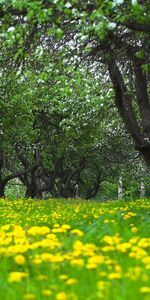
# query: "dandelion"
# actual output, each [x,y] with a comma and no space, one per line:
[63,277]
[46,292]
[114,276]
[71,281]
[97,259]
[77,232]
[145,289]
[66,226]
[61,296]
[102,284]
[29,296]
[20,259]
[16,276]
[134,229]
[91,266]
[77,262]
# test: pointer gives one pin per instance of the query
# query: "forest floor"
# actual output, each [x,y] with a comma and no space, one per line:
[74,250]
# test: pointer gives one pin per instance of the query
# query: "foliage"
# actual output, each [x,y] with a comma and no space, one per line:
[67,69]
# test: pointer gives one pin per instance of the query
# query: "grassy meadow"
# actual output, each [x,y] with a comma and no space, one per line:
[74,250]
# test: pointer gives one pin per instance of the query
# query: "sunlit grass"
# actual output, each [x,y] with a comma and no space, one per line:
[74,250]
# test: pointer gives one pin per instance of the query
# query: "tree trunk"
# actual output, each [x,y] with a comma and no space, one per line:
[30,193]
[145,151]
[120,188]
[123,102]
[77,191]
[142,189]
[2,190]
[91,193]
[2,184]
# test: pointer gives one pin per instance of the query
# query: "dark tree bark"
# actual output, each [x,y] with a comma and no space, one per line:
[91,193]
[2,187]
[142,95]
[139,132]
[137,26]
[2,190]
[30,192]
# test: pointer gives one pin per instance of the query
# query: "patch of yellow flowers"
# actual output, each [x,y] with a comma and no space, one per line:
[58,246]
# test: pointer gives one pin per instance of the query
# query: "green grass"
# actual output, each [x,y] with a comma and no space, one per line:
[104,253]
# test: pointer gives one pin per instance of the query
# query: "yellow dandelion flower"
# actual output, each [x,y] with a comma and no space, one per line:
[114,276]
[77,262]
[77,232]
[134,229]
[34,230]
[37,261]
[57,258]
[96,259]
[61,296]
[145,289]
[85,216]
[146,260]
[6,227]
[56,225]
[123,247]
[71,281]
[133,240]
[103,274]
[101,284]
[16,276]
[63,277]
[66,226]
[57,230]
[111,240]
[20,259]
[46,292]
[78,245]
[29,296]
[47,257]
[108,248]
[91,266]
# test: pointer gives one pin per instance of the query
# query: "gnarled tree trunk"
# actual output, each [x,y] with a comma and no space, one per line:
[139,132]
[2,190]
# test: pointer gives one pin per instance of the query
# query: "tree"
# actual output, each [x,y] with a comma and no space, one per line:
[109,39]
[115,32]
